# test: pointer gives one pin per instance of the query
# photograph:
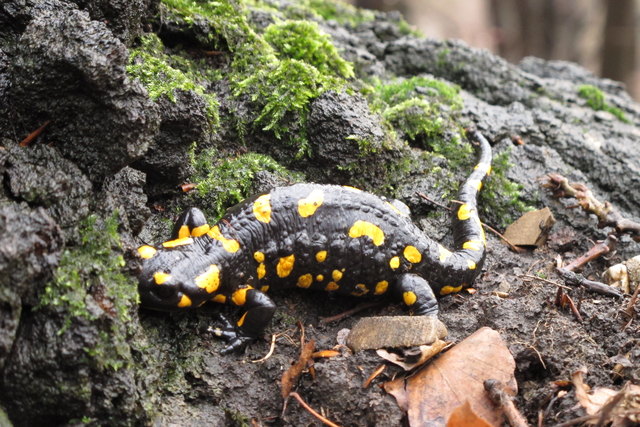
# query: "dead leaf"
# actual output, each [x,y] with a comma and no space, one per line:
[531,228]
[457,376]
[617,407]
[292,374]
[463,416]
[411,361]
[591,402]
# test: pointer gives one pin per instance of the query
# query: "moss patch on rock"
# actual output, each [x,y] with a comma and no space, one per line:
[162,74]
[224,182]
[89,284]
[271,69]
[596,100]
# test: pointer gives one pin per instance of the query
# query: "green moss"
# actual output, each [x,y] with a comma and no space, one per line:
[281,78]
[424,110]
[92,270]
[596,100]
[303,40]
[225,182]
[339,11]
[500,197]
[399,90]
[163,75]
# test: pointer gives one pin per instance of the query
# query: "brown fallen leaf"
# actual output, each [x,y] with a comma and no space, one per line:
[608,405]
[463,416]
[530,229]
[292,374]
[431,395]
[590,401]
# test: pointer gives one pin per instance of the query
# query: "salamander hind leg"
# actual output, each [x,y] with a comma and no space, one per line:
[417,295]
[259,309]
[191,223]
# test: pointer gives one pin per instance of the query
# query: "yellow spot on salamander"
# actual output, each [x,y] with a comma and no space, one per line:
[484,167]
[443,253]
[361,289]
[178,242]
[476,183]
[210,279]
[261,270]
[219,299]
[395,209]
[285,265]
[409,298]
[309,205]
[239,297]
[483,236]
[229,245]
[258,256]
[319,278]
[474,245]
[241,320]
[394,262]
[265,288]
[350,188]
[336,275]
[331,286]
[160,277]
[365,228]
[183,232]
[321,256]
[471,264]
[412,254]
[185,301]
[381,287]
[200,230]
[262,208]
[465,211]
[146,251]
[305,281]
[446,290]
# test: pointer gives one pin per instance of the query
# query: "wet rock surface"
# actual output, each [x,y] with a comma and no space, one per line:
[102,178]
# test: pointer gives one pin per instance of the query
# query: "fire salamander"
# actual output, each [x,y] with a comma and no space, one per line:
[320,237]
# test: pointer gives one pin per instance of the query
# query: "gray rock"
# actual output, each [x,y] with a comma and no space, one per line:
[70,70]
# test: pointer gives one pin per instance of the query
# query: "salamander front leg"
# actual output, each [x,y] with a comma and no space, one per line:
[191,223]
[258,314]
[417,295]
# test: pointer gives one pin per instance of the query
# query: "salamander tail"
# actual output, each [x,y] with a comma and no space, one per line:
[468,234]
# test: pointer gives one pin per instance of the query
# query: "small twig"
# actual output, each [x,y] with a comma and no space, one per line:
[535,350]
[375,373]
[311,410]
[597,250]
[607,214]
[499,396]
[33,135]
[533,265]
[425,197]
[575,279]
[357,309]
[573,308]
[271,349]
[531,276]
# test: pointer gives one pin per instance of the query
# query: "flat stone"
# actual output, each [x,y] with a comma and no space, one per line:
[395,331]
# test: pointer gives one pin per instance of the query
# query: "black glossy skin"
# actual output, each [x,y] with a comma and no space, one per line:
[371,248]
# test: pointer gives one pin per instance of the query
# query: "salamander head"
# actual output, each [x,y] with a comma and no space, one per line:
[176,278]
